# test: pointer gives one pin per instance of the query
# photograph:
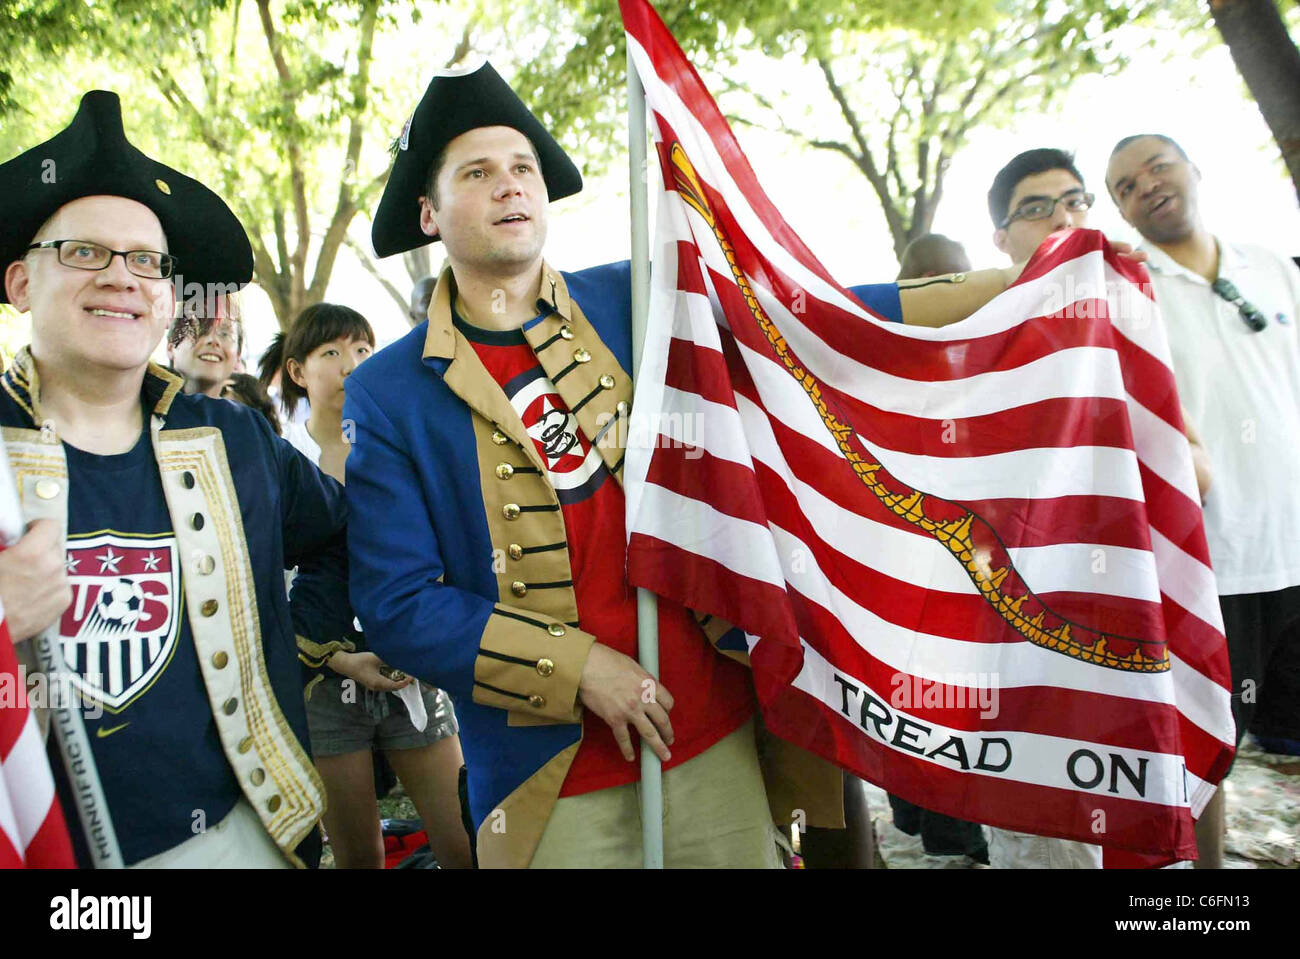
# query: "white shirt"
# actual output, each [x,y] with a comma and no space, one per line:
[1242,390]
[298,437]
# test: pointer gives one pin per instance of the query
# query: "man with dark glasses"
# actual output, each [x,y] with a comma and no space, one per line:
[1230,310]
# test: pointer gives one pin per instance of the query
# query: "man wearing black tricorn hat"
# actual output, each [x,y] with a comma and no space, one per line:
[487,539]
[180,512]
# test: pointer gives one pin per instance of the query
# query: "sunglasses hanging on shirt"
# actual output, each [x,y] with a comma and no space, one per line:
[1252,317]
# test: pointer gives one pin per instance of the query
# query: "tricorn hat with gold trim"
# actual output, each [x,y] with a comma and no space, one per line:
[454,103]
[92,157]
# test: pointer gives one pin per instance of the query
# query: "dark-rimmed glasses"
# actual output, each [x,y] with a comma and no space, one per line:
[84,255]
[1252,316]
[1041,209]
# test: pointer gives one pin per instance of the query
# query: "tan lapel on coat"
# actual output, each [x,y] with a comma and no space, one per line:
[584,370]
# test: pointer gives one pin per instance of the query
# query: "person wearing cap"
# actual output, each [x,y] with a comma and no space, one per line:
[176,514]
[487,546]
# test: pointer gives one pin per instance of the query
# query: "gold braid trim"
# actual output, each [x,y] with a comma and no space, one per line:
[315,654]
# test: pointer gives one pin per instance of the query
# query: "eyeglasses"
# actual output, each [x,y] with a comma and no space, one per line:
[1253,317]
[84,255]
[1073,201]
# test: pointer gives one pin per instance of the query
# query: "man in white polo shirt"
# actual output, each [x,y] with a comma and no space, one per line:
[1231,312]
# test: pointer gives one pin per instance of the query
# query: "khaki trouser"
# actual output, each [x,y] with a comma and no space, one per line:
[715,816]
[1019,850]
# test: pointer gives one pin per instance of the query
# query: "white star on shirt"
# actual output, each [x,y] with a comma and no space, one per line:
[151,562]
[70,564]
[108,561]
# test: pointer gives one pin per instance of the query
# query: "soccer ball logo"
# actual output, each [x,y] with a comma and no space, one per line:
[119,604]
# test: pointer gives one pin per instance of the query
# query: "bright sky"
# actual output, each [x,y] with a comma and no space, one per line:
[1196,97]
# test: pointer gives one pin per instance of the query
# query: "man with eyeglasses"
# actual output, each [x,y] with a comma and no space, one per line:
[1230,310]
[206,349]
[1037,193]
[163,522]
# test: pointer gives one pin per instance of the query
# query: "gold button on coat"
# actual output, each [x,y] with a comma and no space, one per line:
[566,332]
[537,702]
[258,776]
[273,803]
[209,607]
[555,629]
[187,479]
[245,744]
[607,382]
[510,511]
[580,355]
[515,551]
[545,667]
[206,564]
[219,659]
[229,706]
[47,488]
[505,471]
[518,588]
[500,438]
[197,521]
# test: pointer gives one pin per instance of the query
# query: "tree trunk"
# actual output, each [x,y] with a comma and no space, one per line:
[418,263]
[1269,62]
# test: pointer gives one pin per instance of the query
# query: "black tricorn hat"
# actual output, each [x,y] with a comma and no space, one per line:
[92,157]
[455,103]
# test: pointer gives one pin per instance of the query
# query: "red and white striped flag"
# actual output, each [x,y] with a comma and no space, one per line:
[970,561]
[32,831]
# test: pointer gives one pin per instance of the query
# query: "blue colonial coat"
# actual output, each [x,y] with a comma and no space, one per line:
[459,562]
[263,507]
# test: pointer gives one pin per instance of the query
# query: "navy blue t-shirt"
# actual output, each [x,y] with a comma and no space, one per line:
[126,636]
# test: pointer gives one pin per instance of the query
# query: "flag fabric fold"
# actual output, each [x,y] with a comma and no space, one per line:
[32,831]
[969,562]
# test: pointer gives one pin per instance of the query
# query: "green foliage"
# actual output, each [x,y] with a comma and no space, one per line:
[902,84]
[283,108]
[286,108]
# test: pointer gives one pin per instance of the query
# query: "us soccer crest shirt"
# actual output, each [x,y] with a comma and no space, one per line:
[126,639]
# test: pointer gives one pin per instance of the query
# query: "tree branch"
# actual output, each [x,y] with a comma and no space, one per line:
[172,92]
[364,257]
[345,208]
[281,241]
[465,45]
[863,159]
[297,176]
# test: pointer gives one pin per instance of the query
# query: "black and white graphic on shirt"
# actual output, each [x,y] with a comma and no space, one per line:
[119,633]
[556,432]
[575,467]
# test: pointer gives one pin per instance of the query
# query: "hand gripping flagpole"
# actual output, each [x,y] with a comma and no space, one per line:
[69,727]
[647,604]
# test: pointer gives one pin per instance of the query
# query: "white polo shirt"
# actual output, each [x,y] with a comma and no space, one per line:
[1242,390]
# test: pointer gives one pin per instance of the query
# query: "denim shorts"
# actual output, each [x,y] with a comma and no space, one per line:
[348,719]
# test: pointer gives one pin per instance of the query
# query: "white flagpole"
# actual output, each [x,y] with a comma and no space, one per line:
[647,604]
[69,727]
